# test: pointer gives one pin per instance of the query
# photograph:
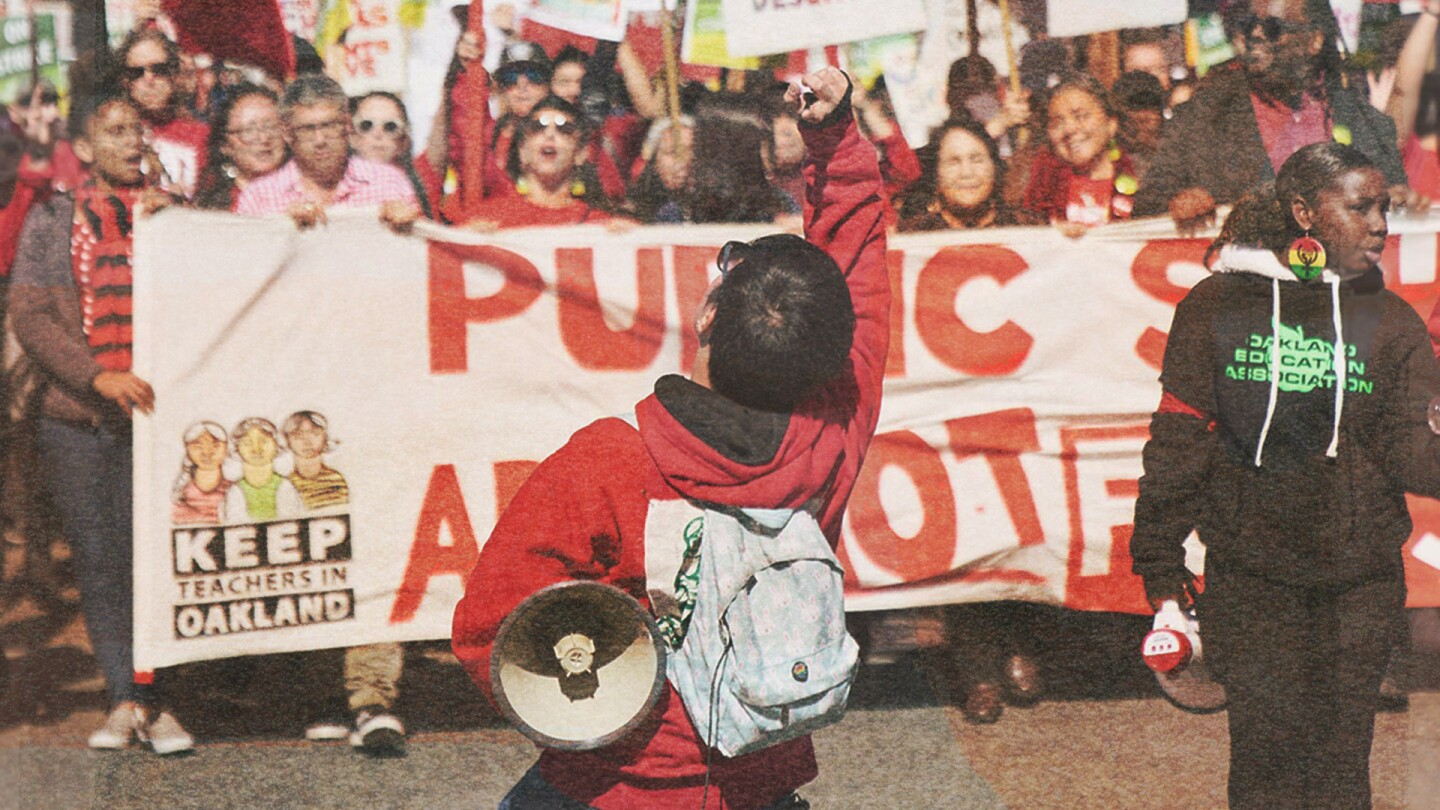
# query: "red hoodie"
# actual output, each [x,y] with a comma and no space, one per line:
[583,513]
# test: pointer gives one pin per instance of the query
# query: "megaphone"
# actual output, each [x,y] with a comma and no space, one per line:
[578,665]
[1173,652]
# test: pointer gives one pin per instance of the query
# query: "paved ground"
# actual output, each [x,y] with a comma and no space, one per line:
[1101,740]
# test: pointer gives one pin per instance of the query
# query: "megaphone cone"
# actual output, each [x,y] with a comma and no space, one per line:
[577,665]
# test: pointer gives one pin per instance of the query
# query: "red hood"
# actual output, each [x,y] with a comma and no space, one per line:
[804,465]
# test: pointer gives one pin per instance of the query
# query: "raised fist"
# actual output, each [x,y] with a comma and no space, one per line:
[827,91]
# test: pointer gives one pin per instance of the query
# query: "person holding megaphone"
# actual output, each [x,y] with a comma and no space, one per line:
[774,418]
[1294,420]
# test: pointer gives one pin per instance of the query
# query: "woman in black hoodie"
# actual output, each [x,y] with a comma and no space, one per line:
[1293,467]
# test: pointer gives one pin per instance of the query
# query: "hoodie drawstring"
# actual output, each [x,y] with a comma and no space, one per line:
[1337,363]
[1274,368]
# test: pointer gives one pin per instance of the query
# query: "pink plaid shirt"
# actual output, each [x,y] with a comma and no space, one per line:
[365,183]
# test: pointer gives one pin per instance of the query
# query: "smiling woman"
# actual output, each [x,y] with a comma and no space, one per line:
[1081,176]
[961,184]
[246,142]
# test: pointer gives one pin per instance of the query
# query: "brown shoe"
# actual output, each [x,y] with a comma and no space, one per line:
[983,704]
[1023,683]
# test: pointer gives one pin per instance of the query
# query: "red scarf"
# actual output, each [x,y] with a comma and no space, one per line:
[101,247]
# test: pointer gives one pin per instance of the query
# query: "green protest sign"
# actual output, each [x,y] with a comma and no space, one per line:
[15,54]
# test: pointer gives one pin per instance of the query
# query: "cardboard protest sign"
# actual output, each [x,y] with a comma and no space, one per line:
[761,27]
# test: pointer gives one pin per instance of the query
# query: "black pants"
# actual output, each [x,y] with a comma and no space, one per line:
[1301,669]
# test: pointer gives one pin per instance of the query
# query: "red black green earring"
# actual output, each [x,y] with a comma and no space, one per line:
[1307,257]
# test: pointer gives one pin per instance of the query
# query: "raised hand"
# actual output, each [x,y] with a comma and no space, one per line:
[827,91]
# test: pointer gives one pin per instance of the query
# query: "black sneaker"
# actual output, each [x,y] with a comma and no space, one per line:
[378,732]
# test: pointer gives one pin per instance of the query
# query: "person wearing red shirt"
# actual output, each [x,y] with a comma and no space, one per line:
[546,161]
[778,412]
[1080,178]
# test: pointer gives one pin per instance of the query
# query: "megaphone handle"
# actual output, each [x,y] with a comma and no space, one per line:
[1170,615]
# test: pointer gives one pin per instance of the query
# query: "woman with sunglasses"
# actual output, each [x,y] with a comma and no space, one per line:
[552,183]
[148,63]
[382,134]
[246,141]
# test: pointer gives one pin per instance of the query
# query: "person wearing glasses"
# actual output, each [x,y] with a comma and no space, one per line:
[777,412]
[246,142]
[552,184]
[382,134]
[322,172]
[148,63]
[1244,122]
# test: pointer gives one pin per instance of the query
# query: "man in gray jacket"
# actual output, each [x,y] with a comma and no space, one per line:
[69,301]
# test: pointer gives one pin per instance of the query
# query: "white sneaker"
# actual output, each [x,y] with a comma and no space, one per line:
[166,735]
[377,732]
[121,726]
[322,730]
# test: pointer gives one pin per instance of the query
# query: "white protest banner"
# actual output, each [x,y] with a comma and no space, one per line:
[301,17]
[762,27]
[1073,18]
[411,384]
[601,19]
[371,53]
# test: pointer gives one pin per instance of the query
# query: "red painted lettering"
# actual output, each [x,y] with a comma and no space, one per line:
[428,558]
[1114,588]
[692,279]
[588,339]
[986,354]
[509,475]
[1150,270]
[1001,437]
[451,310]
[369,16]
[929,552]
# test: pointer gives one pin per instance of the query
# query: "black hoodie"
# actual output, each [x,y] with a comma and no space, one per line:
[1296,480]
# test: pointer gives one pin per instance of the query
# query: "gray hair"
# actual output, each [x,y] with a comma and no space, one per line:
[312,89]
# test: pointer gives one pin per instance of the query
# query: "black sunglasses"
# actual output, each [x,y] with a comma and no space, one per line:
[160,70]
[509,76]
[731,255]
[364,125]
[1270,28]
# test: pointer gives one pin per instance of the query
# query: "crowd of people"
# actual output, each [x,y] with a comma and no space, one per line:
[578,137]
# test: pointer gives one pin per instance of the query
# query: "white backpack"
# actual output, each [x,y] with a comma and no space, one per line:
[766,656]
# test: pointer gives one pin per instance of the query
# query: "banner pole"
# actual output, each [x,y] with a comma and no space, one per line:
[34,44]
[470,85]
[972,24]
[672,63]
[1022,137]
